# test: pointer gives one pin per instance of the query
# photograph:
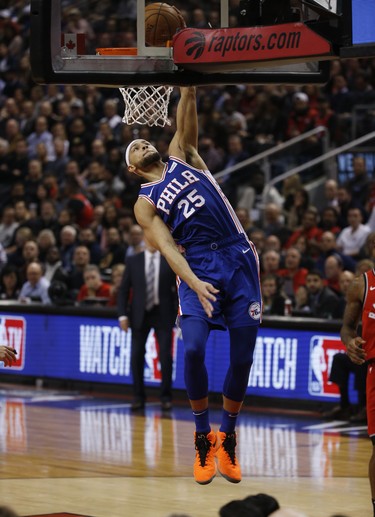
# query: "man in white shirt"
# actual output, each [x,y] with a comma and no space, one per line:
[35,289]
[353,236]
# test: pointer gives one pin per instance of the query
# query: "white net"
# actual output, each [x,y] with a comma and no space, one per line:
[146,105]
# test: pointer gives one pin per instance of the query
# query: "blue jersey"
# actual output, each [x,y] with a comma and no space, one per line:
[191,204]
[201,219]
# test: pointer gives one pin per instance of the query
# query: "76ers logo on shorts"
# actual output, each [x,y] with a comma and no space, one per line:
[322,350]
[254,311]
[12,333]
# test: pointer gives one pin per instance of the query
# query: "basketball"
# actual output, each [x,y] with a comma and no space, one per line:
[161,23]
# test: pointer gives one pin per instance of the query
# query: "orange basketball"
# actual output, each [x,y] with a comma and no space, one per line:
[161,23]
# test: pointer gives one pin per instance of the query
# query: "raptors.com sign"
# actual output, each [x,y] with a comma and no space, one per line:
[322,351]
[12,333]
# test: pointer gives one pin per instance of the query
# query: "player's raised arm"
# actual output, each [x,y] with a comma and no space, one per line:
[159,236]
[184,144]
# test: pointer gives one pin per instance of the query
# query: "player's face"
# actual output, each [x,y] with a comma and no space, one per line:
[142,154]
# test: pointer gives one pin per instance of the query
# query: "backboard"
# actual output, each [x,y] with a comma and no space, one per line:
[287,41]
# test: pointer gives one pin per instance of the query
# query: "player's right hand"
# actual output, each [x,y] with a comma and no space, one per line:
[355,350]
[7,355]
[206,294]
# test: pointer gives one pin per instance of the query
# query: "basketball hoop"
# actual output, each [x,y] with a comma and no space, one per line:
[146,105]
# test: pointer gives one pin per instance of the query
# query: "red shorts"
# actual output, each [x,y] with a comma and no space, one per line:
[370,396]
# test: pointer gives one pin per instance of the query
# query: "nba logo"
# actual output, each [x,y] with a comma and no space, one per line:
[322,350]
[12,333]
[152,371]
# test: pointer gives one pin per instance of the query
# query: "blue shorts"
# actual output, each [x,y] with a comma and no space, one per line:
[230,265]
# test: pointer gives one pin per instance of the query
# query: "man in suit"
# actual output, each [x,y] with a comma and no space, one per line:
[148,299]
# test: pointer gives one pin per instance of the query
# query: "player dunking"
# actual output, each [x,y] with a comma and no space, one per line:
[181,206]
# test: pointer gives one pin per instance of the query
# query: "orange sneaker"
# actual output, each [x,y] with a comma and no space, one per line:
[204,465]
[227,462]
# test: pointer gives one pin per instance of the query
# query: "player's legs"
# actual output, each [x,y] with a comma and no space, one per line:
[370,395]
[242,344]
[195,332]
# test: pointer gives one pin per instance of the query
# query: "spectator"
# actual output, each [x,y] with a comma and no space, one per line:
[40,135]
[258,237]
[94,290]
[299,203]
[322,301]
[333,267]
[35,289]
[353,236]
[53,269]
[329,220]
[8,226]
[328,247]
[9,283]
[81,259]
[78,204]
[293,274]
[68,243]
[30,253]
[330,194]
[309,228]
[136,241]
[272,295]
[270,262]
[116,278]
[114,252]
[273,222]
[345,279]
[244,218]
[360,185]
[301,302]
[87,238]
[15,254]
[272,242]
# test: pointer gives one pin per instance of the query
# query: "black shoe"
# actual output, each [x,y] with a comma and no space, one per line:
[360,417]
[137,405]
[166,405]
[337,413]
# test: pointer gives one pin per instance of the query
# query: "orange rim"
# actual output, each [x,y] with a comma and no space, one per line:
[119,51]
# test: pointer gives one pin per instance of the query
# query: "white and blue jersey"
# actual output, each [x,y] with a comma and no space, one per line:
[201,219]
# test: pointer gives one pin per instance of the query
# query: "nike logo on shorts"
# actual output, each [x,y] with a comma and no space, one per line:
[245,251]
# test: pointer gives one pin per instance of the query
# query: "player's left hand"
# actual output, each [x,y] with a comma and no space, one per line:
[206,294]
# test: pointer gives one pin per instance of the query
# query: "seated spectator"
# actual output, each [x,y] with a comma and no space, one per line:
[345,279]
[87,238]
[329,220]
[94,290]
[309,228]
[270,262]
[45,240]
[116,277]
[272,243]
[346,202]
[81,259]
[244,218]
[9,283]
[8,226]
[68,243]
[330,194]
[258,237]
[301,301]
[272,297]
[35,289]
[136,241]
[78,203]
[273,222]
[30,253]
[292,274]
[333,267]
[53,269]
[328,247]
[322,301]
[115,250]
[298,204]
[15,255]
[308,257]
[353,236]
[360,184]
[366,250]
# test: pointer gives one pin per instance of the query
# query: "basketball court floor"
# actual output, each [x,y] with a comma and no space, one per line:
[81,454]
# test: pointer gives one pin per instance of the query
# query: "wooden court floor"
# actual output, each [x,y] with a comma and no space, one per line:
[82,454]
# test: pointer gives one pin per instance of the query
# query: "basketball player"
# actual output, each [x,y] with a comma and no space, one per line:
[7,355]
[180,206]
[360,306]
